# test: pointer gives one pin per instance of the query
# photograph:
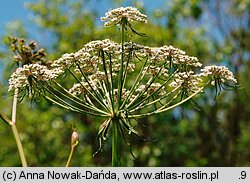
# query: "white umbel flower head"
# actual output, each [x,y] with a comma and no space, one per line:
[187,81]
[218,72]
[115,16]
[19,78]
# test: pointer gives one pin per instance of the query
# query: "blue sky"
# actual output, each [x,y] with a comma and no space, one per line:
[11,10]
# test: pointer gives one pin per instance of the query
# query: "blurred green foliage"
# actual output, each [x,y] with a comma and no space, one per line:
[205,133]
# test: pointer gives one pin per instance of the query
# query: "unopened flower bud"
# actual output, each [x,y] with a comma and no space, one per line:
[17,58]
[32,45]
[13,39]
[13,47]
[26,49]
[41,52]
[74,138]
[21,41]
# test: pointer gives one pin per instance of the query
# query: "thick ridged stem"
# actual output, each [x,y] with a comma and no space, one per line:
[115,142]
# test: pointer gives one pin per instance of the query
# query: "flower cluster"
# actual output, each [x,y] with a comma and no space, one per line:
[220,73]
[26,53]
[187,81]
[77,89]
[165,53]
[19,79]
[154,70]
[152,89]
[115,16]
[65,61]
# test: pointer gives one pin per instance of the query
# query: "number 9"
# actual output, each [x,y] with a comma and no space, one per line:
[243,174]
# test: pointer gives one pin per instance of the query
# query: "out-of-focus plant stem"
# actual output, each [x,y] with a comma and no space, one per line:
[15,131]
[71,154]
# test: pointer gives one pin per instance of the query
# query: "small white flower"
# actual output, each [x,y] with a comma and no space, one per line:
[77,89]
[155,86]
[65,61]
[154,70]
[140,88]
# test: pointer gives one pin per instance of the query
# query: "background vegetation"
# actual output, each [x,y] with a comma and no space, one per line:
[218,134]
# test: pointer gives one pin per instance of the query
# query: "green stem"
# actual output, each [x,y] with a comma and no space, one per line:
[115,142]
[98,97]
[15,131]
[65,104]
[19,145]
[108,83]
[120,79]
[165,108]
[71,154]
[139,77]
[152,94]
[144,104]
